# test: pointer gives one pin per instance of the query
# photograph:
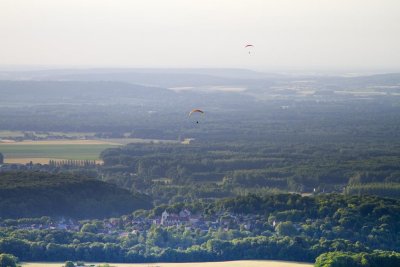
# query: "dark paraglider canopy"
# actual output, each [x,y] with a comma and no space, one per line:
[248,46]
[199,111]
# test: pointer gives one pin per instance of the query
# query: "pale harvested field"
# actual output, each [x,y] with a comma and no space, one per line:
[196,264]
[61,142]
[4,133]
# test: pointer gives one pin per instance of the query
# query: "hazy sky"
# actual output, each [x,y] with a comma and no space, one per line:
[287,34]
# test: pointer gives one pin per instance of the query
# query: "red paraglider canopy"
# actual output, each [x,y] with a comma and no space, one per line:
[195,110]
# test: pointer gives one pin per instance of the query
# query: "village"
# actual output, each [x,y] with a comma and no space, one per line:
[129,224]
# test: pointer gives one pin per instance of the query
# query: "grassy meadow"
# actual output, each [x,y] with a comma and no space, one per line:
[42,152]
[195,264]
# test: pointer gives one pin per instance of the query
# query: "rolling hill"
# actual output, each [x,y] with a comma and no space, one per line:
[34,194]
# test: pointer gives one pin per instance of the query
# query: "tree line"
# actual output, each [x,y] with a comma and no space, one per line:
[345,259]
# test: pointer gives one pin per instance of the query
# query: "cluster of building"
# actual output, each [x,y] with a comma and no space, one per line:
[171,219]
[62,224]
[195,221]
[128,225]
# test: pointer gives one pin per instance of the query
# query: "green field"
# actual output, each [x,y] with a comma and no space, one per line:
[195,264]
[56,151]
[41,151]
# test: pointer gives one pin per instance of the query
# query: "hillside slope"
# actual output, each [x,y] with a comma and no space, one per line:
[33,194]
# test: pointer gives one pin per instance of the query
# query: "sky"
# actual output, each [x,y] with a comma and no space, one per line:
[286,34]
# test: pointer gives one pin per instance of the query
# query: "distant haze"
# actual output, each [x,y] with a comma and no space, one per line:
[286,34]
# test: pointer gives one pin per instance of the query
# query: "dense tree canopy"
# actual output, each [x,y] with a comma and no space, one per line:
[283,227]
[8,260]
[345,259]
[32,194]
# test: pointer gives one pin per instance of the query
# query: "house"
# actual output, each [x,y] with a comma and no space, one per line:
[169,219]
[185,213]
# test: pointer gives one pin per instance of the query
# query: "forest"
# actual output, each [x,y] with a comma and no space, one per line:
[171,173]
[343,259]
[36,194]
[285,227]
